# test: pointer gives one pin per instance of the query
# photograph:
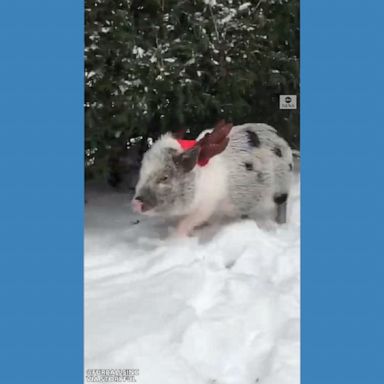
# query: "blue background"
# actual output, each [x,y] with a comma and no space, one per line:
[342,192]
[41,192]
[41,204]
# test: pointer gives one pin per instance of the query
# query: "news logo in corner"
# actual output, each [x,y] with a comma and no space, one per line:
[288,101]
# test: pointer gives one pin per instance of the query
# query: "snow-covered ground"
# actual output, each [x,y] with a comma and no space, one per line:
[221,307]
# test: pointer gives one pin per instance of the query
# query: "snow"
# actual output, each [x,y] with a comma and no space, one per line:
[230,16]
[244,6]
[221,307]
[138,51]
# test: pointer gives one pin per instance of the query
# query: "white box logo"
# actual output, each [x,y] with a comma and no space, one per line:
[288,101]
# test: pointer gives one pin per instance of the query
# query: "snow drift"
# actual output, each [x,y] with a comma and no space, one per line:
[221,307]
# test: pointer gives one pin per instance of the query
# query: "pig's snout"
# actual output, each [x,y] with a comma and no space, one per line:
[144,201]
[137,204]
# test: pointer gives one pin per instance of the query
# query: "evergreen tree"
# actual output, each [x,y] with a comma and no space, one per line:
[155,65]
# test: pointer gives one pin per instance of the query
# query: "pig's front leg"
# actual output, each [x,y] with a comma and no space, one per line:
[193,220]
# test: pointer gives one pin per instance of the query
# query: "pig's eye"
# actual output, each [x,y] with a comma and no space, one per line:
[163,179]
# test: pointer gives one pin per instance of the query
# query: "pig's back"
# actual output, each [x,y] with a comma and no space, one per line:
[259,164]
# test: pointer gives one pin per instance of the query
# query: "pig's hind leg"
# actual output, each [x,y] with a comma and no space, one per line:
[281,207]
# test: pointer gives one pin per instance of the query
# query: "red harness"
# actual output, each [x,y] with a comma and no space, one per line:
[188,144]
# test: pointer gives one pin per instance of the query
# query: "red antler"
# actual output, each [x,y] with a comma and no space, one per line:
[215,142]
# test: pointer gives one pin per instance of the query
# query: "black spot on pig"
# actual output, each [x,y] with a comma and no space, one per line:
[277,152]
[253,139]
[280,199]
[248,166]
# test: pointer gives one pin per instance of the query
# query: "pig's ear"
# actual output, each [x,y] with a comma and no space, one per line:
[187,160]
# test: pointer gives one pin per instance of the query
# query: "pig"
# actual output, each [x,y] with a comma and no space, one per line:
[250,172]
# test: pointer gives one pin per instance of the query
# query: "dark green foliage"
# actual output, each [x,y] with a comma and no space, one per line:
[155,65]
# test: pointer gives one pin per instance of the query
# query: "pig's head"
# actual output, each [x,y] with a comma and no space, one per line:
[166,183]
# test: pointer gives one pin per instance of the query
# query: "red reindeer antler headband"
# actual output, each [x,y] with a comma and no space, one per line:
[211,144]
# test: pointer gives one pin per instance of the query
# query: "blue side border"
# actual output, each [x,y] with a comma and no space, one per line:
[41,225]
[41,204]
[342,191]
